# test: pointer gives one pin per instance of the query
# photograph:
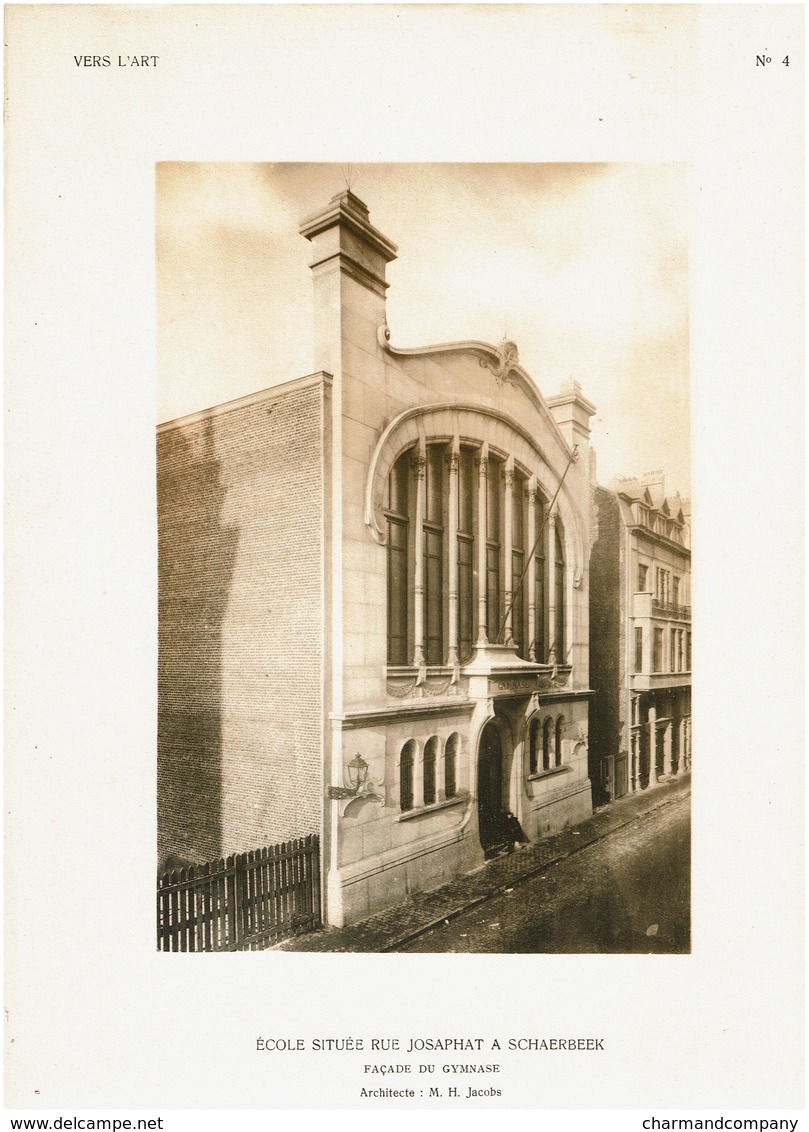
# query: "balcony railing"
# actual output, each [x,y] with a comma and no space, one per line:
[670,610]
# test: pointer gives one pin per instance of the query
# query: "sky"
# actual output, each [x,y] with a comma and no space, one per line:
[584,266]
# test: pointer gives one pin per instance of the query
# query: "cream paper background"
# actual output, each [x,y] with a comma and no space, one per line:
[95,1017]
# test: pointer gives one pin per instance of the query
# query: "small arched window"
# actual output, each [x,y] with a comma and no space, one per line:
[406,760]
[558,742]
[430,761]
[533,746]
[451,765]
[546,744]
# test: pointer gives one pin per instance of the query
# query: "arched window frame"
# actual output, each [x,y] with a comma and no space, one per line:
[452,750]
[557,745]
[534,734]
[546,743]
[407,762]
[430,756]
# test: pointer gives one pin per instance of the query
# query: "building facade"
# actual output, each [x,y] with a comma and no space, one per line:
[374,601]
[640,637]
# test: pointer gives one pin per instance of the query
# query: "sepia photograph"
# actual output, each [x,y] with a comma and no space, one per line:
[388,388]
[425,620]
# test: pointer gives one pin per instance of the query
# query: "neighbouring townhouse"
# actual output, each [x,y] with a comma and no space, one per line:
[640,636]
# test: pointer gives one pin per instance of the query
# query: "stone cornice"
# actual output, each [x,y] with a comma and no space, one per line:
[351,720]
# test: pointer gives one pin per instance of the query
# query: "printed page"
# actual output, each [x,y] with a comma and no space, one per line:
[390,392]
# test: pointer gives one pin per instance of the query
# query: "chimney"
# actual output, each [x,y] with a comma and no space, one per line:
[349,257]
[572,411]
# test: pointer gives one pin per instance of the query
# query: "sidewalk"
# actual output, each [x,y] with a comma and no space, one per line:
[389,930]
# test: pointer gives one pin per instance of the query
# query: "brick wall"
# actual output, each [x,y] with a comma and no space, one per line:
[240,729]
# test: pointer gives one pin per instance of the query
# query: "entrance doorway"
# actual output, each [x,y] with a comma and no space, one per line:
[490,786]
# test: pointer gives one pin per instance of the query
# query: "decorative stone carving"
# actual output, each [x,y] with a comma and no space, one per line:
[506,360]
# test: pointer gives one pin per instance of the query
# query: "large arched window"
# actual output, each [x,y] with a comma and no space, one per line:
[461,525]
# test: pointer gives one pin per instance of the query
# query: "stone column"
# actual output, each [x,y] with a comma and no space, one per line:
[532,572]
[454,460]
[550,613]
[652,745]
[483,466]
[420,463]
[508,561]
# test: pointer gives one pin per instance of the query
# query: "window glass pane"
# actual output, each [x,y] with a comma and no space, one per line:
[430,752]
[433,596]
[546,745]
[466,607]
[466,482]
[560,599]
[397,593]
[434,484]
[493,487]
[398,485]
[406,777]
[657,659]
[450,766]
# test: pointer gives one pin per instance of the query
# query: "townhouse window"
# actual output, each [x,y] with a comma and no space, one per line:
[643,572]
[557,750]
[460,526]
[675,590]
[451,765]
[639,648]
[657,652]
[687,651]
[662,585]
[672,650]
[430,762]
[679,650]
[406,760]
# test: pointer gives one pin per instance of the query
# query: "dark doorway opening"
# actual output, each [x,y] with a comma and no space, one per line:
[490,786]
